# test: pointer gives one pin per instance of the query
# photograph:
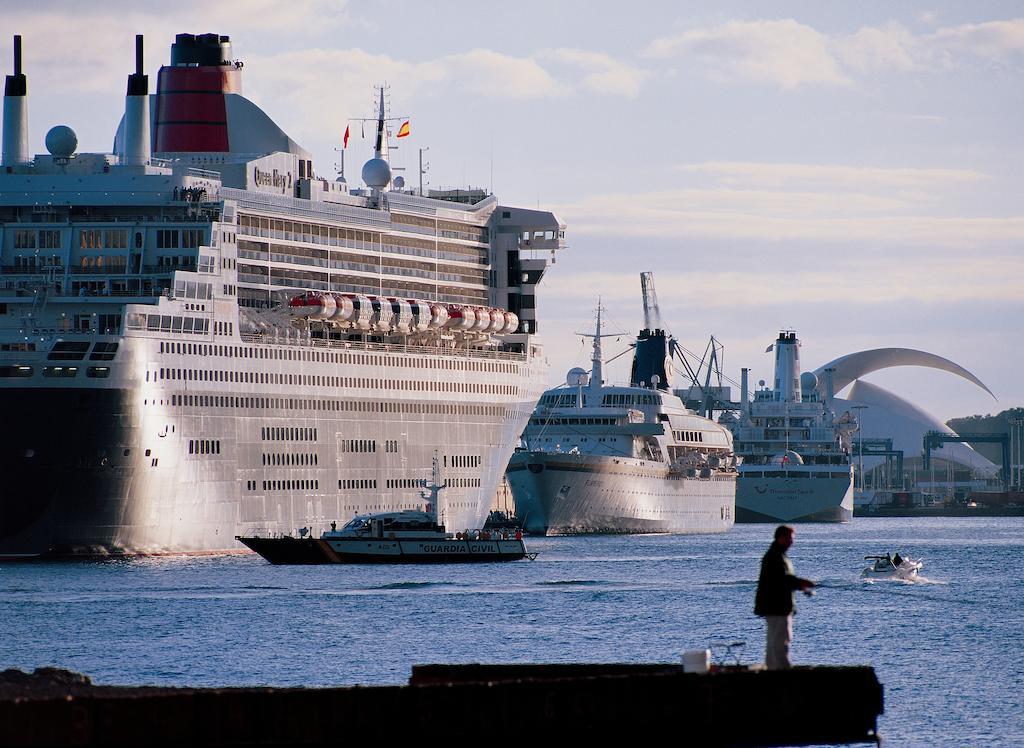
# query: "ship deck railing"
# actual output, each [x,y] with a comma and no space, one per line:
[359,345]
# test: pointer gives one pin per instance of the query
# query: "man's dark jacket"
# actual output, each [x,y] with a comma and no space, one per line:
[777,584]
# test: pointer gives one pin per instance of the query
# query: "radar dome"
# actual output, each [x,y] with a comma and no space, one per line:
[399,183]
[808,381]
[61,141]
[577,377]
[376,173]
[789,457]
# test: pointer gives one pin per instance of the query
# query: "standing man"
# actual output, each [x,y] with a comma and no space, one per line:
[776,588]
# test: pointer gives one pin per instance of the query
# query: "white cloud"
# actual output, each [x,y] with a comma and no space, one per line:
[782,216]
[791,55]
[602,72]
[878,49]
[490,73]
[785,53]
[993,40]
[776,174]
[951,280]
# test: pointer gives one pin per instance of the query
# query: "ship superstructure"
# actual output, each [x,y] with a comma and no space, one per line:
[200,337]
[795,451]
[600,458]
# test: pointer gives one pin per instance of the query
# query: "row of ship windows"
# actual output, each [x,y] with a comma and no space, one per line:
[312,484]
[357,483]
[288,434]
[317,380]
[369,258]
[358,445]
[251,250]
[317,233]
[796,473]
[24,372]
[355,406]
[366,359]
[204,446]
[291,460]
[688,436]
[571,399]
[428,289]
[573,421]
[290,485]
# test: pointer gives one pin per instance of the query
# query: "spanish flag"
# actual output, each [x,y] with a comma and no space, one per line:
[403,131]
[345,141]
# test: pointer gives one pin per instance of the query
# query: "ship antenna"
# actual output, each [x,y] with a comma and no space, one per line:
[597,372]
[380,148]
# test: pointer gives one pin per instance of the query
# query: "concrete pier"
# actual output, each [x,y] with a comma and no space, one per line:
[504,704]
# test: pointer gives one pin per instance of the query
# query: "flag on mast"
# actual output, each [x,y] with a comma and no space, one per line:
[345,139]
[403,131]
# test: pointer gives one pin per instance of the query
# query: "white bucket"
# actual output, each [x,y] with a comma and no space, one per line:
[696,660]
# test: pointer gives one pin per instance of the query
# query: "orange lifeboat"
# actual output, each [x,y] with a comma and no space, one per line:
[462,318]
[439,316]
[483,319]
[497,319]
[312,305]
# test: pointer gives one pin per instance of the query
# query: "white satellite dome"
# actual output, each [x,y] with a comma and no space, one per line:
[577,377]
[789,457]
[376,173]
[808,381]
[61,141]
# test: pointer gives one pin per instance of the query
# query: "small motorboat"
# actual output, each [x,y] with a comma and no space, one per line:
[891,567]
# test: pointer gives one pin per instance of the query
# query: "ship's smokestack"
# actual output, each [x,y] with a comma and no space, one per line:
[136,113]
[787,368]
[191,111]
[830,390]
[15,138]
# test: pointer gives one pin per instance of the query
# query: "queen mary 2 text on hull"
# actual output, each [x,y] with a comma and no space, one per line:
[200,337]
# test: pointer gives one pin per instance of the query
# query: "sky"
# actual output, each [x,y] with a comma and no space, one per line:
[851,171]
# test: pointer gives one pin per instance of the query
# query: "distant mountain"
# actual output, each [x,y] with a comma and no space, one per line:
[990,424]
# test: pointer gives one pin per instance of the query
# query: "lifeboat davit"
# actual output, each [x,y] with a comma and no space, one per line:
[312,305]
[402,316]
[438,316]
[483,319]
[346,309]
[511,323]
[462,318]
[497,321]
[363,313]
[421,315]
[382,314]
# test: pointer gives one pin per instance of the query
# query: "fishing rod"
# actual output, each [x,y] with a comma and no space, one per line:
[883,591]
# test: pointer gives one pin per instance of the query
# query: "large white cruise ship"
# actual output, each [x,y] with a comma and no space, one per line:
[201,338]
[795,452]
[599,458]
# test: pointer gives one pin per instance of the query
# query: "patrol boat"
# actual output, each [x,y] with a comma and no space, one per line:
[411,536]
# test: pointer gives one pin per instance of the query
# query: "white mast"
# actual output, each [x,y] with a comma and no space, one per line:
[430,495]
[596,359]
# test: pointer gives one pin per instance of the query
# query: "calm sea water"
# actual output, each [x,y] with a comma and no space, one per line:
[949,648]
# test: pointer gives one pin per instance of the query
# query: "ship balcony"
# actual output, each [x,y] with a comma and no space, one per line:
[541,244]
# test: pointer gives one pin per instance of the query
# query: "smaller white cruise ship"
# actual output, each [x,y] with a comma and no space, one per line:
[616,459]
[795,452]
